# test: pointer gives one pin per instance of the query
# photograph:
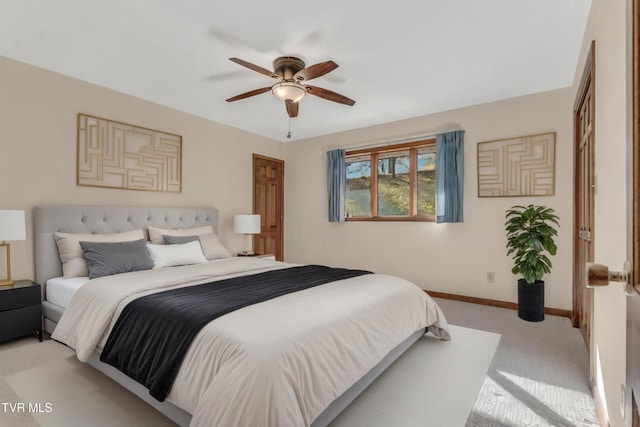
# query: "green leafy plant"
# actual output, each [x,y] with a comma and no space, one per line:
[530,233]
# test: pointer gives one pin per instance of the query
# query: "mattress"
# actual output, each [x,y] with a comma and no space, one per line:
[60,290]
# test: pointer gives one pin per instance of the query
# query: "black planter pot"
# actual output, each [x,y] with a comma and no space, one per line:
[531,300]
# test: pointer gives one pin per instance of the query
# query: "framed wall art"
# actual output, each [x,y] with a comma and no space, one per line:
[119,155]
[513,167]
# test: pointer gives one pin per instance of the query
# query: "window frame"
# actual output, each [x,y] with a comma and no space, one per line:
[413,148]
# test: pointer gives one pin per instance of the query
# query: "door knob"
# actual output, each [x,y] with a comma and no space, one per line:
[598,275]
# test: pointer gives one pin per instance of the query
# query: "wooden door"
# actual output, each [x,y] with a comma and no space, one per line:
[584,194]
[633,302]
[268,201]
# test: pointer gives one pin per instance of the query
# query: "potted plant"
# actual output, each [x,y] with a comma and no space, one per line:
[530,235]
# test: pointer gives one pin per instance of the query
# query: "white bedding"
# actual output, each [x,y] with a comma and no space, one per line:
[277,363]
[60,290]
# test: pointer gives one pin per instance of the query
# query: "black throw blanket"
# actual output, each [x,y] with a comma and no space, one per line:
[154,332]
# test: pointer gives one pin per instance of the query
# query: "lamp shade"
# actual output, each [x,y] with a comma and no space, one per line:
[12,226]
[246,224]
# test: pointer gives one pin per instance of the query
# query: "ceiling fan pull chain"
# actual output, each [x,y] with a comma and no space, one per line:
[289,134]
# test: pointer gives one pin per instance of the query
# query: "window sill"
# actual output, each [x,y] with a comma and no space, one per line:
[392,219]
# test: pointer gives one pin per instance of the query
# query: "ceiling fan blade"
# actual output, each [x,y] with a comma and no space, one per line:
[254,67]
[250,93]
[316,70]
[229,75]
[235,41]
[292,109]
[329,95]
[312,39]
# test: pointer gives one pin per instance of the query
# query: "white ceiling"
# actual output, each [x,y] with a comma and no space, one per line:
[398,59]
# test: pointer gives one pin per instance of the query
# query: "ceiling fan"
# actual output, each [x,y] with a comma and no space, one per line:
[291,75]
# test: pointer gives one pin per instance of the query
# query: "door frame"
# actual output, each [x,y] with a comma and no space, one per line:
[280,201]
[588,75]
[635,205]
[633,242]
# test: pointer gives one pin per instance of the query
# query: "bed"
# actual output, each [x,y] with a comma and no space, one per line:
[298,359]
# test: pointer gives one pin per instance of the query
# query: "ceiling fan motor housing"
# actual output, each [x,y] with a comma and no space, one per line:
[287,66]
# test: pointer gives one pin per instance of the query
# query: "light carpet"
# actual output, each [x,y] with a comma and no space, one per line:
[433,383]
[539,375]
[80,395]
[16,356]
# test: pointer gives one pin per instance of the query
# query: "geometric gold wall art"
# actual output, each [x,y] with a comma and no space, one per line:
[522,166]
[118,155]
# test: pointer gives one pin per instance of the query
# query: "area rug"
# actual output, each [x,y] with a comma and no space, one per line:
[433,383]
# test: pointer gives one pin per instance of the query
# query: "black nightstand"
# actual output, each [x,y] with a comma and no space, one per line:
[20,310]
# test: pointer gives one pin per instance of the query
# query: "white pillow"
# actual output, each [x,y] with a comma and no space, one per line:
[155,234]
[171,255]
[70,252]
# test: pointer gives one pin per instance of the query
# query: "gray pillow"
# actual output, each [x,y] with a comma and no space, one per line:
[107,258]
[73,261]
[179,240]
[210,244]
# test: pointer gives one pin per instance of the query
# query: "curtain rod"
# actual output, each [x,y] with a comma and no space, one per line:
[393,141]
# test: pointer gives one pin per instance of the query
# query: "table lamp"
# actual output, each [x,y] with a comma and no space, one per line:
[12,227]
[246,224]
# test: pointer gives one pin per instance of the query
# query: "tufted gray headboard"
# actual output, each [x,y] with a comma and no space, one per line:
[103,220]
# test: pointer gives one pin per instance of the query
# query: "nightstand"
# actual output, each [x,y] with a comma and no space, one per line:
[257,255]
[20,310]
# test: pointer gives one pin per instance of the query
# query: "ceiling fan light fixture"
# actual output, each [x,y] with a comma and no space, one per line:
[289,91]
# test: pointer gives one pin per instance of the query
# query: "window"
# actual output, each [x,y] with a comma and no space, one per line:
[392,183]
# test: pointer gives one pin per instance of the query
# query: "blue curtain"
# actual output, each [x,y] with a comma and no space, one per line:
[336,181]
[449,176]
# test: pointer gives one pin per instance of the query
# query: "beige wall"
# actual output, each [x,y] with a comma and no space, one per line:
[608,27]
[38,116]
[450,258]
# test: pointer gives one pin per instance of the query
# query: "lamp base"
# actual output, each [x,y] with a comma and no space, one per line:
[7,281]
[247,253]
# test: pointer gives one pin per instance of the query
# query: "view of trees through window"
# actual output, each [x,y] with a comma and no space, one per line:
[395,184]
[358,197]
[427,181]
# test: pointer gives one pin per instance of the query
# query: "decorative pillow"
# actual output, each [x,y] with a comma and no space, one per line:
[155,234]
[107,258]
[211,245]
[171,255]
[70,252]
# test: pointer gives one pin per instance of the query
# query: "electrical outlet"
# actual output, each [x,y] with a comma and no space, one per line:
[491,277]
